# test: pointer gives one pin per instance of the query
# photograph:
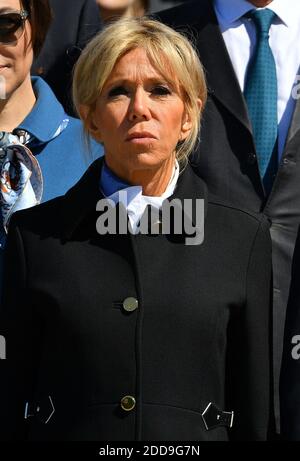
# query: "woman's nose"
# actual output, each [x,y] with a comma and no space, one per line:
[139,106]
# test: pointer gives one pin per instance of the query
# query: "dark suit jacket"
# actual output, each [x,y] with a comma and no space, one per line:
[290,373]
[200,333]
[75,22]
[226,158]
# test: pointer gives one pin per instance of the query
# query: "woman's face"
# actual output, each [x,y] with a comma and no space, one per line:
[15,58]
[139,116]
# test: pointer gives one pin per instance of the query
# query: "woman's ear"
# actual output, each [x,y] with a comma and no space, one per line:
[186,126]
[199,104]
[187,122]
[87,117]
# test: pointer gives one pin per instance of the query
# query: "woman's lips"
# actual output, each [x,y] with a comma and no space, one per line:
[141,140]
[140,137]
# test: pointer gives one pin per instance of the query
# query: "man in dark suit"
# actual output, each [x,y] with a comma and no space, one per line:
[232,152]
[74,23]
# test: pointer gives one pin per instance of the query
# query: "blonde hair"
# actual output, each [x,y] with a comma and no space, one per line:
[163,45]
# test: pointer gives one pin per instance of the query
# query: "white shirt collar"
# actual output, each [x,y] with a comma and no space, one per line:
[288,11]
[230,11]
[135,202]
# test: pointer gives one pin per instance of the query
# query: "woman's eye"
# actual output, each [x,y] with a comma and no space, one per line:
[161,90]
[119,90]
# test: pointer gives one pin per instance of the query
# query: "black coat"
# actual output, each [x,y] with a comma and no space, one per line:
[226,158]
[75,22]
[200,333]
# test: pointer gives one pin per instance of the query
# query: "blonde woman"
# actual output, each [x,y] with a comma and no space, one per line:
[115,333]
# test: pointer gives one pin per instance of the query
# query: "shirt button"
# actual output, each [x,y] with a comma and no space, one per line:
[156,226]
[130,304]
[128,403]
[251,159]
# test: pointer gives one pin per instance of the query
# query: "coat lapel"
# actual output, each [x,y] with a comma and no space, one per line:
[81,199]
[221,78]
[295,123]
[190,186]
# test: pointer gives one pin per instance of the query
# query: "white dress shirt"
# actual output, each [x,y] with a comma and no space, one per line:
[240,38]
[135,202]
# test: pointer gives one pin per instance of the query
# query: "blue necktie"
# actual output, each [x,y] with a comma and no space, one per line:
[261,97]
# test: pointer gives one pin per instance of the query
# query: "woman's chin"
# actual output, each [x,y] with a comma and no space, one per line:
[146,159]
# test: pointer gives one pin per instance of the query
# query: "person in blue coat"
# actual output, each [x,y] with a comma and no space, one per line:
[63,157]
[42,149]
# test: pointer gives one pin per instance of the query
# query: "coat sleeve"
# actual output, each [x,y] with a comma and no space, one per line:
[249,346]
[20,333]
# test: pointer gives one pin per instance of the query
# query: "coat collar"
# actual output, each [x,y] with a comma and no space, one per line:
[82,198]
[232,10]
[47,108]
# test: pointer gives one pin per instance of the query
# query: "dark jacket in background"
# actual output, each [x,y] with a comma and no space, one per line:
[158,5]
[199,334]
[75,23]
[227,161]
[290,373]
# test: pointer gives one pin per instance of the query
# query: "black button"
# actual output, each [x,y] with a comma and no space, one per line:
[73,54]
[251,159]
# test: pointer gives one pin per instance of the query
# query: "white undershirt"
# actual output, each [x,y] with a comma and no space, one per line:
[240,38]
